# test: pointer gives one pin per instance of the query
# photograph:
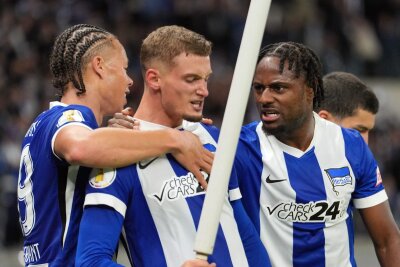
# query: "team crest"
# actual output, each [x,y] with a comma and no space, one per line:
[101,178]
[339,177]
[69,116]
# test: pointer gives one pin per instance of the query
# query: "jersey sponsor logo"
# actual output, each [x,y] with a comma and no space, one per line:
[378,177]
[144,164]
[101,178]
[320,211]
[69,116]
[178,188]
[339,177]
[270,181]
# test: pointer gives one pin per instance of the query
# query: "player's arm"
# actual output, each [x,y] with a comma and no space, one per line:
[384,233]
[112,147]
[99,232]
[255,251]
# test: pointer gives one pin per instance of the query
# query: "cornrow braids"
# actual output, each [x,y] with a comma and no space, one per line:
[301,60]
[68,55]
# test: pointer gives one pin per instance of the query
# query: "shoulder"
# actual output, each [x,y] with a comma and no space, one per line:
[248,133]
[201,129]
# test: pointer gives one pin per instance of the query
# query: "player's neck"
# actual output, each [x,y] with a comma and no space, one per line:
[301,137]
[70,97]
[151,110]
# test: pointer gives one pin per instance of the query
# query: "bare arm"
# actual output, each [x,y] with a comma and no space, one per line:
[384,233]
[113,147]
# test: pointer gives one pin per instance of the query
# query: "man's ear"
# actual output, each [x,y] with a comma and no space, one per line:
[325,114]
[97,65]
[152,79]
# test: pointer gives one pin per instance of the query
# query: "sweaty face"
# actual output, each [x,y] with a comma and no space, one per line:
[284,102]
[362,121]
[184,88]
[117,81]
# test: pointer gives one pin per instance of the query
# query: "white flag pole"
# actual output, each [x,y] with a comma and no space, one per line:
[231,124]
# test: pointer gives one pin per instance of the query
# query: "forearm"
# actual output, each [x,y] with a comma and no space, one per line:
[107,147]
[389,255]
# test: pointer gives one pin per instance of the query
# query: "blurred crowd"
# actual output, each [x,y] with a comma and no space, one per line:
[358,36]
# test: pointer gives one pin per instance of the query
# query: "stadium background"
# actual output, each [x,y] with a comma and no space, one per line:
[358,36]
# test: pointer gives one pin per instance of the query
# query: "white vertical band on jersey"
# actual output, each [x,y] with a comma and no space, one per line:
[39,265]
[232,236]
[231,124]
[172,218]
[69,195]
[274,234]
[337,250]
[53,139]
[105,199]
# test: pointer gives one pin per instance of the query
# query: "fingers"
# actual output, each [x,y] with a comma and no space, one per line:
[128,111]
[207,121]
[198,263]
[123,121]
[200,178]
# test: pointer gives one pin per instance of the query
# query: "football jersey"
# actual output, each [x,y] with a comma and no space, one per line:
[50,191]
[161,204]
[301,202]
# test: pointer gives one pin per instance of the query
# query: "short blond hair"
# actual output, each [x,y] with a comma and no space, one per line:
[165,43]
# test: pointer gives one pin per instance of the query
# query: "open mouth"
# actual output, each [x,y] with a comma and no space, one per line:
[197,105]
[269,115]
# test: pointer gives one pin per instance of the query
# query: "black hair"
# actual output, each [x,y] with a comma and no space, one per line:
[345,93]
[302,61]
[68,55]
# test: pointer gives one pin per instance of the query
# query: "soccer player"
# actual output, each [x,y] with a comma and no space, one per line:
[157,201]
[301,176]
[348,102]
[89,68]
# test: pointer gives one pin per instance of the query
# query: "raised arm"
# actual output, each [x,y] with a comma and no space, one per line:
[112,147]
[384,233]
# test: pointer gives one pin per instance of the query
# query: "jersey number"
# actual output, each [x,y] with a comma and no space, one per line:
[26,200]
[325,210]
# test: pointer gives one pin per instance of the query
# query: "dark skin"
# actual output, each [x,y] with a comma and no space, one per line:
[384,233]
[285,104]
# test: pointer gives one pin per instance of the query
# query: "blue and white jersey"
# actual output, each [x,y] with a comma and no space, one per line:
[301,202]
[160,203]
[50,191]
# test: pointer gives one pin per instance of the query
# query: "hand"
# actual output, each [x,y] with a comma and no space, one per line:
[124,120]
[198,263]
[207,121]
[193,156]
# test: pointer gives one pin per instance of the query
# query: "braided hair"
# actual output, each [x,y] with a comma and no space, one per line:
[301,61]
[72,50]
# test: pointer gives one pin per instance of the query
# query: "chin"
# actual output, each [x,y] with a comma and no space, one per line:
[272,130]
[193,118]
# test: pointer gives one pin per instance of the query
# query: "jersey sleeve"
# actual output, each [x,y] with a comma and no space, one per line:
[255,251]
[72,115]
[369,189]
[110,187]
[234,191]
[96,249]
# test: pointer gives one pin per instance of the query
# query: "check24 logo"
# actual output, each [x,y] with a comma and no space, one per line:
[321,211]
